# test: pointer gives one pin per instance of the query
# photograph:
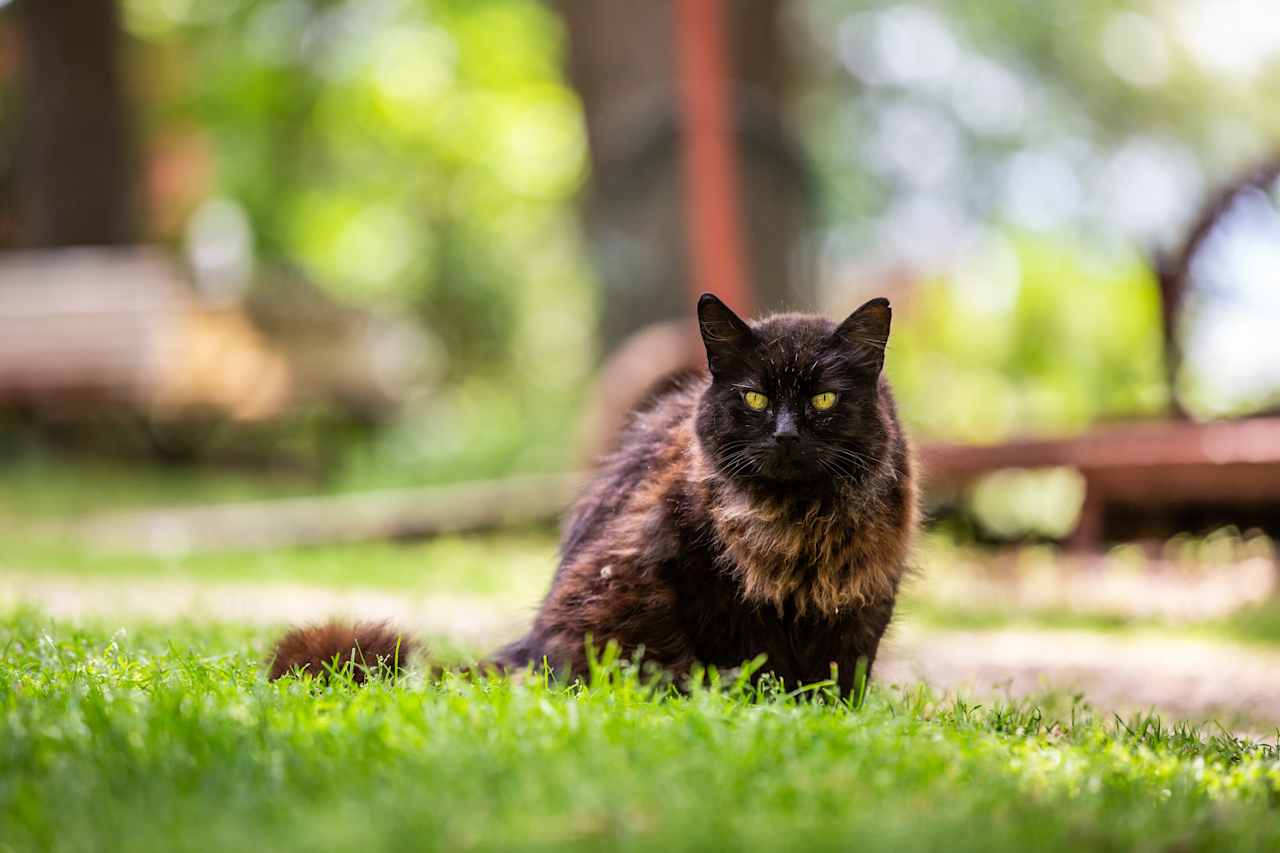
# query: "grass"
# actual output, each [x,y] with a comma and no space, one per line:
[41,480]
[38,486]
[171,739]
[1259,623]
[1255,624]
[515,567]
[507,565]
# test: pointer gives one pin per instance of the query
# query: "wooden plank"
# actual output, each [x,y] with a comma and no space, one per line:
[1140,448]
[367,516]
[1152,471]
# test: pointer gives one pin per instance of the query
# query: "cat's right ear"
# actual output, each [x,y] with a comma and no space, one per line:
[867,331]
[724,334]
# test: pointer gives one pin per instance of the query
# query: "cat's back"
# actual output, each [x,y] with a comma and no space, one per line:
[656,441]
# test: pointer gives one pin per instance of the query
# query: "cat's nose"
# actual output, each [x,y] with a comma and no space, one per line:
[786,439]
[784,431]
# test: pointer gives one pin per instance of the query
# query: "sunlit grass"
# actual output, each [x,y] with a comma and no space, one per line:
[507,566]
[67,486]
[1255,623]
[171,739]
[39,482]
[515,568]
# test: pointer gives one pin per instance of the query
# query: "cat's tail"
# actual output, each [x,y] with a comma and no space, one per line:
[358,649]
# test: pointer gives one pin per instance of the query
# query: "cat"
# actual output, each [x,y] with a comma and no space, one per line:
[766,507]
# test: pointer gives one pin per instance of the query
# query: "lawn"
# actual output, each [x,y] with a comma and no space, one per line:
[514,568]
[169,738]
[506,565]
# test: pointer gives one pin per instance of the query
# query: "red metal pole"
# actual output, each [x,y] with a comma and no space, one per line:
[711,177]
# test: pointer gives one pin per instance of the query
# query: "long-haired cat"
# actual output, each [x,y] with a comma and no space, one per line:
[766,508]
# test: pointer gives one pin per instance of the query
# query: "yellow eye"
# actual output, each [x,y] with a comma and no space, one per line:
[756,400]
[823,401]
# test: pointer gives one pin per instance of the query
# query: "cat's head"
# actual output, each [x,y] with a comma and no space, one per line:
[794,401]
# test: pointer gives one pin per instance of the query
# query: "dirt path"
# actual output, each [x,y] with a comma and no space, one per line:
[1182,677]
[468,620]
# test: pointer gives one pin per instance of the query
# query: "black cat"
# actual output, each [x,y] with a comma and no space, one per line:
[767,508]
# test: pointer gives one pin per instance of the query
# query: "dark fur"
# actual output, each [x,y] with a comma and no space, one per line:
[367,646]
[710,538]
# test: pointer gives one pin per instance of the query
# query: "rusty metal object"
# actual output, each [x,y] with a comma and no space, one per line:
[1173,270]
[1136,473]
[1155,477]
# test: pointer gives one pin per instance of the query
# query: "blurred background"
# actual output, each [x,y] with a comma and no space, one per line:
[278,273]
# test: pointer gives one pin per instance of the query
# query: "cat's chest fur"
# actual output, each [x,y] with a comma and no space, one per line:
[724,629]
[793,579]
[815,556]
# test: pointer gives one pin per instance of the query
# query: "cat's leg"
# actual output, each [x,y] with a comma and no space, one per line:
[860,641]
[622,603]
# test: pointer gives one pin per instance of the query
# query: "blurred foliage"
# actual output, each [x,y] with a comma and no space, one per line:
[1018,504]
[1034,335]
[1086,134]
[422,157]
[416,156]
[1103,116]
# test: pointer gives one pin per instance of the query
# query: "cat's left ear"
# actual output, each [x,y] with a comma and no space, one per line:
[724,334]
[867,330]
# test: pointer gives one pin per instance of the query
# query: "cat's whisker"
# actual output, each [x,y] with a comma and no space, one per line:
[864,462]
[741,462]
[845,464]
[836,469]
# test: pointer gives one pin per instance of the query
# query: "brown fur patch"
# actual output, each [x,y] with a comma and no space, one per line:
[820,559]
[368,646]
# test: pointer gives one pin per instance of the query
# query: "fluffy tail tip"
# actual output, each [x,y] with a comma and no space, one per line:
[367,646]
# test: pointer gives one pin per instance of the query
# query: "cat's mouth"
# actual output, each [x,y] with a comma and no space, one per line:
[789,464]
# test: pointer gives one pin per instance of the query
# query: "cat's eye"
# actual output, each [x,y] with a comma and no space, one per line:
[823,401]
[755,400]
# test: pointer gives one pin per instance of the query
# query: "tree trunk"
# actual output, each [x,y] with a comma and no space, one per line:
[77,167]
[623,61]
